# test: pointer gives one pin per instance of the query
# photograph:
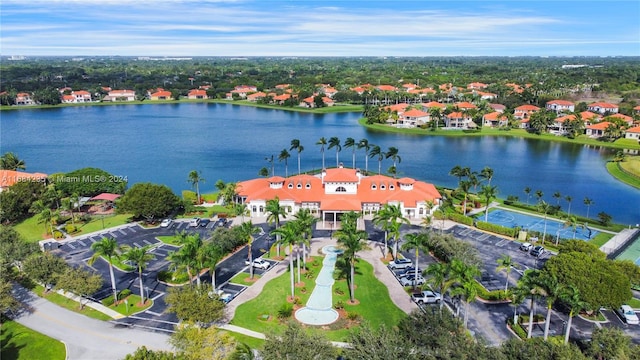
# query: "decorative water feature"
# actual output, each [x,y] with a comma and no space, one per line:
[319,309]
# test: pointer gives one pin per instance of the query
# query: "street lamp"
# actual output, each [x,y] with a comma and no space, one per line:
[147,290]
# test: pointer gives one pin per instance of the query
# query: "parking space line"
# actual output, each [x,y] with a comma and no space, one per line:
[92,239]
[153,313]
[146,242]
[136,245]
[484,236]
[501,243]
[132,228]
[122,232]
[71,246]
[81,243]
[113,235]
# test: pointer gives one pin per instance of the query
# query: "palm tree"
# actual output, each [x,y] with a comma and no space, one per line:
[46,217]
[307,222]
[377,151]
[418,242]
[572,299]
[351,143]
[506,263]
[211,254]
[572,222]
[334,142]
[382,219]
[457,171]
[74,200]
[269,159]
[393,154]
[489,193]
[551,290]
[397,219]
[539,194]
[195,178]
[544,208]
[295,145]
[435,116]
[141,257]
[108,249]
[10,161]
[246,231]
[469,291]
[557,195]
[529,283]
[275,211]
[322,142]
[187,255]
[527,191]
[284,156]
[290,235]
[364,144]
[352,241]
[487,174]
[568,198]
[518,295]
[588,202]
[464,186]
[440,277]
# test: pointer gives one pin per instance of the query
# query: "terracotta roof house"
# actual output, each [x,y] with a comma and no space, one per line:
[337,191]
[498,107]
[242,91]
[524,111]
[627,119]
[120,95]
[477,85]
[197,94]
[632,133]
[283,86]
[603,107]
[495,119]
[399,108]
[422,92]
[588,116]
[256,96]
[24,98]
[459,120]
[465,105]
[597,130]
[408,87]
[11,177]
[67,99]
[280,99]
[433,104]
[560,106]
[161,95]
[310,102]
[637,109]
[386,88]
[413,117]
[485,95]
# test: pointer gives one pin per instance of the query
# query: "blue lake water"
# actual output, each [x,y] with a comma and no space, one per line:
[163,143]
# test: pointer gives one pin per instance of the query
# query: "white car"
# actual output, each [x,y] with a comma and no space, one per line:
[166,223]
[628,314]
[412,280]
[427,297]
[526,247]
[400,264]
[259,263]
[194,222]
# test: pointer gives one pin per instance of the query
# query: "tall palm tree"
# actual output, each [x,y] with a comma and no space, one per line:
[551,289]
[572,222]
[396,219]
[376,151]
[46,217]
[418,242]
[247,230]
[568,198]
[440,277]
[307,222]
[352,241]
[334,142]
[10,161]
[195,178]
[351,143]
[506,263]
[295,145]
[469,291]
[392,153]
[557,195]
[530,283]
[489,193]
[211,255]
[322,142]
[465,187]
[436,116]
[382,219]
[544,208]
[539,194]
[141,257]
[275,212]
[518,296]
[457,171]
[187,255]
[487,174]
[290,235]
[527,190]
[570,296]
[284,156]
[364,144]
[588,202]
[108,249]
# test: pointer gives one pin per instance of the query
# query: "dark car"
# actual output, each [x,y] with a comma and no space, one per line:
[204,222]
[537,251]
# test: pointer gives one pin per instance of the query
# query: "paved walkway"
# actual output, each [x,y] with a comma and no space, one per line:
[84,338]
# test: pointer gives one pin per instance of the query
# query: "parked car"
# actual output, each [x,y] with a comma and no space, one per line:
[628,314]
[222,296]
[259,263]
[194,222]
[166,223]
[204,222]
[411,280]
[411,270]
[526,247]
[537,251]
[426,297]
[400,264]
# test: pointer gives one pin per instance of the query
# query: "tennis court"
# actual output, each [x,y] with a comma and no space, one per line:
[631,253]
[555,228]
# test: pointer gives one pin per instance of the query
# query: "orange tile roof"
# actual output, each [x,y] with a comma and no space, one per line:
[496,115]
[10,177]
[560,102]
[414,113]
[527,107]
[634,130]
[637,108]
[603,105]
[341,203]
[432,104]
[163,93]
[622,117]
[341,175]
[477,85]
[599,126]
[466,105]
[197,92]
[397,107]
[386,88]
[588,115]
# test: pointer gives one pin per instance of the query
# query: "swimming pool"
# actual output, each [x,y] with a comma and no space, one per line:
[555,228]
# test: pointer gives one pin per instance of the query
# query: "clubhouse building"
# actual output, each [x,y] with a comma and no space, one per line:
[339,190]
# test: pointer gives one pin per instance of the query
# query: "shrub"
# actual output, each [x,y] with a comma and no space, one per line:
[498,229]
[124,293]
[70,228]
[58,235]
[285,311]
[353,316]
[522,334]
[339,305]
[338,291]
[309,274]
[461,219]
[85,218]
[108,301]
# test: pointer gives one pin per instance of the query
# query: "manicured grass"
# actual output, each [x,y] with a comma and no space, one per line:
[375,305]
[242,278]
[30,229]
[169,239]
[253,343]
[582,139]
[96,223]
[20,342]
[634,303]
[625,171]
[70,304]
[324,110]
[601,239]
[132,305]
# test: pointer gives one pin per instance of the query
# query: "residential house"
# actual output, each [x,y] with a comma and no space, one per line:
[459,120]
[560,106]
[559,126]
[525,111]
[310,101]
[413,118]
[632,133]
[280,99]
[197,94]
[433,104]
[603,108]
[242,91]
[256,96]
[161,95]
[120,95]
[637,110]
[498,107]
[477,86]
[485,95]
[597,130]
[398,108]
[24,98]
[495,119]
[11,177]
[337,191]
[628,120]
[465,105]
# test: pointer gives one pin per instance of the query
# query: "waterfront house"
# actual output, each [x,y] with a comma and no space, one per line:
[242,91]
[603,108]
[525,111]
[310,101]
[627,120]
[495,119]
[120,95]
[336,191]
[280,99]
[597,130]
[458,119]
[632,133]
[24,98]
[11,177]
[161,95]
[256,96]
[197,94]
[413,118]
[560,106]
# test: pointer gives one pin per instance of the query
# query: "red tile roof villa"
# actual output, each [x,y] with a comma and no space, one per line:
[339,190]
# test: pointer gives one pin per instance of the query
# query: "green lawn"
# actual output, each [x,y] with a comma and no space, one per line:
[634,303]
[169,239]
[132,305]
[242,277]
[253,343]
[375,304]
[324,110]
[20,342]
[70,304]
[624,171]
[31,230]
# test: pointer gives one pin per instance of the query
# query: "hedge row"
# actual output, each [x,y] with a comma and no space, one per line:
[460,219]
[497,229]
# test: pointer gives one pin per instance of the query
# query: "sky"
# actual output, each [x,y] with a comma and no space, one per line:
[185,28]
